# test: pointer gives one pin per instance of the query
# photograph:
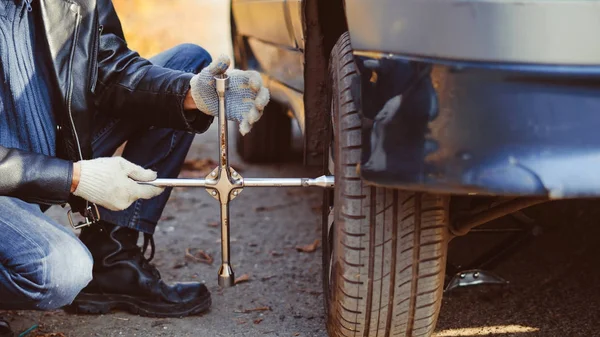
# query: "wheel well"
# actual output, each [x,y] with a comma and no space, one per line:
[325,22]
[332,17]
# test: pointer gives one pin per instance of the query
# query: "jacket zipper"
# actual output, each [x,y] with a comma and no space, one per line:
[70,92]
[70,97]
[95,58]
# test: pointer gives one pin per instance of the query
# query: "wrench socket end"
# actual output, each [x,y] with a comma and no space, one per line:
[226,276]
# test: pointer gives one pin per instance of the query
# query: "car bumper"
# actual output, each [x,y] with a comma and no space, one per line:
[479,128]
[520,31]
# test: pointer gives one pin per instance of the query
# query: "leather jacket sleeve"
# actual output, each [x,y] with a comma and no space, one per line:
[131,86]
[34,177]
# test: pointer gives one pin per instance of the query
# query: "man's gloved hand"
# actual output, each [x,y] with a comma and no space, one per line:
[245,100]
[111,182]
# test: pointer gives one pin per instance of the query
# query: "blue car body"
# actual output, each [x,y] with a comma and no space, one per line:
[457,96]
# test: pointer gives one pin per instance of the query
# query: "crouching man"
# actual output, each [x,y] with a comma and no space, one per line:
[71,93]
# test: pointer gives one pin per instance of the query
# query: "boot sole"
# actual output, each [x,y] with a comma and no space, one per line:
[103,304]
[5,330]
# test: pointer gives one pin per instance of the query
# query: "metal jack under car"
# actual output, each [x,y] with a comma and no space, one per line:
[436,118]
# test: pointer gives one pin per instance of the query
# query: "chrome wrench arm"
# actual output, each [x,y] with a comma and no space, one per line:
[225,184]
[323,181]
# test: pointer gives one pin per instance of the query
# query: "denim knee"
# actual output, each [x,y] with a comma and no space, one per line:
[66,269]
[186,57]
[194,52]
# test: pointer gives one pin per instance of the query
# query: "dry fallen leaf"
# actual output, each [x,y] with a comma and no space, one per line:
[309,248]
[200,256]
[179,265]
[199,168]
[311,292]
[272,207]
[241,279]
[258,320]
[199,165]
[246,311]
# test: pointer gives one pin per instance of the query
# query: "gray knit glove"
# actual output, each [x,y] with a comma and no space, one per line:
[245,100]
[112,183]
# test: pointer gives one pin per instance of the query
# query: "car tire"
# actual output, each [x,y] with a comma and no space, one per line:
[270,140]
[384,252]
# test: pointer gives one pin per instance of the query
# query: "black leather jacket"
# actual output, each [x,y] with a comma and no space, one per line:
[94,71]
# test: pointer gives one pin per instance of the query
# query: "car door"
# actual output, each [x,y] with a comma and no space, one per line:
[273,31]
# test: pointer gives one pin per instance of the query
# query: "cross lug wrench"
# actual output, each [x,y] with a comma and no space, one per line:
[225,184]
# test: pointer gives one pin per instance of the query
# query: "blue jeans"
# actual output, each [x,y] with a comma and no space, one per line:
[43,265]
[162,150]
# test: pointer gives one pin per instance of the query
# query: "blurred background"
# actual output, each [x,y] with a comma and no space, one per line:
[152,26]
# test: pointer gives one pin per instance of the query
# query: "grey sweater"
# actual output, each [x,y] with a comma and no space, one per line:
[26,89]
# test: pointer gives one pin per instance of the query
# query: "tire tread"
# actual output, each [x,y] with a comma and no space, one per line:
[390,245]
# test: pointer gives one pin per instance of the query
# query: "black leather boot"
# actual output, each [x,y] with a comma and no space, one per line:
[5,330]
[124,279]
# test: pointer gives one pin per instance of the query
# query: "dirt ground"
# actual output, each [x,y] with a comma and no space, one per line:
[554,281]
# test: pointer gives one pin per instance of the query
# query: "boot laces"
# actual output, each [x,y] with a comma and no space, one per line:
[149,240]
